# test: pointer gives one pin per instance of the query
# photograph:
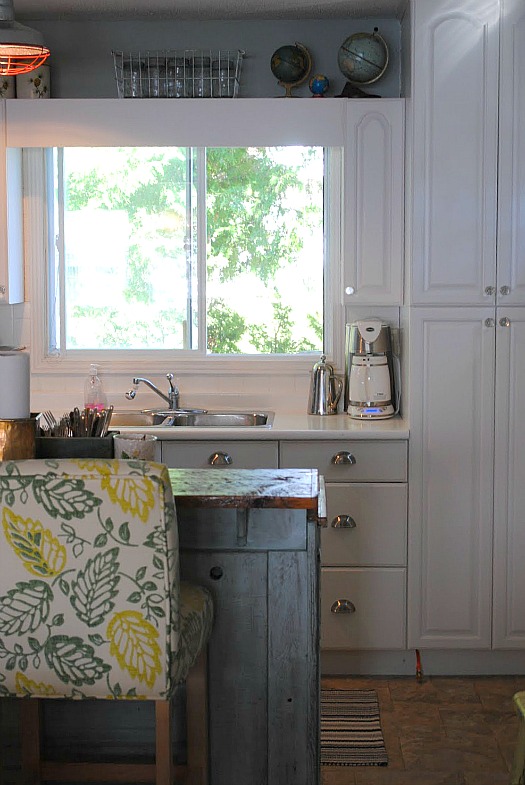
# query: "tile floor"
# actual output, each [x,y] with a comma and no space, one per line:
[441,731]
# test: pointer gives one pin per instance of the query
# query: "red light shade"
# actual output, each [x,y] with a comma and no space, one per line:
[21,48]
[21,58]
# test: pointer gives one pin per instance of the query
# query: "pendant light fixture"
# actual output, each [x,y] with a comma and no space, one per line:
[21,48]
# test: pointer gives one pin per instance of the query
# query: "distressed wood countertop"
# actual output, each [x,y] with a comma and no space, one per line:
[247,488]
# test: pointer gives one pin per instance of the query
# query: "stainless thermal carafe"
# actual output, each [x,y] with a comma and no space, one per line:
[325,389]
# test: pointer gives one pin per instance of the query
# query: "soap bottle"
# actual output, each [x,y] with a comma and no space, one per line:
[94,396]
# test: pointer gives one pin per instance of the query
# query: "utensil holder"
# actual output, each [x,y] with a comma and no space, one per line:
[17,439]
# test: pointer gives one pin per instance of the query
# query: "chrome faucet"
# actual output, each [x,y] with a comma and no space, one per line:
[172,398]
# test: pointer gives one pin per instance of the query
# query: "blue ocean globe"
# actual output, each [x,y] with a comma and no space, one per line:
[318,85]
[291,64]
[363,58]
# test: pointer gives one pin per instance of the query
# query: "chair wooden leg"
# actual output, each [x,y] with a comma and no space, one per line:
[164,769]
[30,740]
[517,776]
[197,721]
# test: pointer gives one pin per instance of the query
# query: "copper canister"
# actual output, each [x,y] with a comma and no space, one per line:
[17,439]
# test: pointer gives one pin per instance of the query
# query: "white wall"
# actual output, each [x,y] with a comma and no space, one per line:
[82,63]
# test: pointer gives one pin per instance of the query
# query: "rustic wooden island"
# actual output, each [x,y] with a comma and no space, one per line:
[251,537]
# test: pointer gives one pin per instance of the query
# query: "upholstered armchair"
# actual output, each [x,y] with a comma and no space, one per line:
[91,606]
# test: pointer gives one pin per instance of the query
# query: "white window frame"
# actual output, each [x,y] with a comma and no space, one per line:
[157,361]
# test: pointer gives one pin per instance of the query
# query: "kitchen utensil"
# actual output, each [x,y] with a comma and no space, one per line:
[134,446]
[325,389]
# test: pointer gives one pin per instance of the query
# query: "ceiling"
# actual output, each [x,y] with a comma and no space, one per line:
[205,9]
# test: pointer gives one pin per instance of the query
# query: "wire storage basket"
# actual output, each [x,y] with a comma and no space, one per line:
[184,73]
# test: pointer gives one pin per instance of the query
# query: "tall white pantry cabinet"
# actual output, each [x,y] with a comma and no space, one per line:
[466,560]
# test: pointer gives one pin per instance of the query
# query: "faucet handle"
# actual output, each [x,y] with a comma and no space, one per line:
[173,388]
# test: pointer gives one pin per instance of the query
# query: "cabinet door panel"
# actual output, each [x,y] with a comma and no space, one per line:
[181,454]
[378,596]
[374,195]
[451,478]
[511,190]
[373,461]
[379,512]
[509,507]
[455,93]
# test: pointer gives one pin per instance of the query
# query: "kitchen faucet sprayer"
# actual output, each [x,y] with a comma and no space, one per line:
[172,398]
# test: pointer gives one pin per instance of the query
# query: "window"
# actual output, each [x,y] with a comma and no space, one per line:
[195,251]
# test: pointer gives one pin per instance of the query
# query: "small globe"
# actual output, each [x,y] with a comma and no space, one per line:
[363,58]
[318,85]
[290,64]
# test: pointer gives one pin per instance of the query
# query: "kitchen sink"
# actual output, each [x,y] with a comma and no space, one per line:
[194,419]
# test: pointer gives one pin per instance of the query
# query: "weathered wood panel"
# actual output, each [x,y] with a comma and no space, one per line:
[288,666]
[205,529]
[237,661]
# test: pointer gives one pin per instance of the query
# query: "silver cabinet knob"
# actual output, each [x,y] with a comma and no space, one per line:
[343,606]
[220,459]
[504,321]
[489,322]
[504,290]
[343,457]
[490,290]
[343,522]
[349,290]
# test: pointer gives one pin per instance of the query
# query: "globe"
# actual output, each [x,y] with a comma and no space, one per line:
[318,85]
[291,65]
[363,58]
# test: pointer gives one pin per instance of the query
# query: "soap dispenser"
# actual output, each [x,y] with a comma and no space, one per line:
[94,396]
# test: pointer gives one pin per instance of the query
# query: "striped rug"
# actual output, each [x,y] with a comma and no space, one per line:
[351,729]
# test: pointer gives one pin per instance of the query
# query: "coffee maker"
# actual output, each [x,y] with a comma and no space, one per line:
[370,389]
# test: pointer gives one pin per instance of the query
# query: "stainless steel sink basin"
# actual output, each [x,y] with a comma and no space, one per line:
[211,419]
[133,418]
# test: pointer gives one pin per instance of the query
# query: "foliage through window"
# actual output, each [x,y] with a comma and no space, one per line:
[211,251]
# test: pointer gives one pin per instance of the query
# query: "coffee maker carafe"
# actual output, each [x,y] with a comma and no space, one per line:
[369,378]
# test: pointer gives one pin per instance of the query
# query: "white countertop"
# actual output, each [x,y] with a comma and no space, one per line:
[289,426]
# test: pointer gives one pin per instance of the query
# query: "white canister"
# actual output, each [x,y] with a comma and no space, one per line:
[7,86]
[14,385]
[34,84]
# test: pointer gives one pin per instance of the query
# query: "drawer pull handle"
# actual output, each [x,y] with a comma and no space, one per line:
[220,459]
[216,573]
[343,522]
[344,457]
[343,606]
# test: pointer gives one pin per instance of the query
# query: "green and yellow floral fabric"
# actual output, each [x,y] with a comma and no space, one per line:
[90,600]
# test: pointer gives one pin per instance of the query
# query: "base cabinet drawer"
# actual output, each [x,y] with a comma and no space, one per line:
[221,454]
[363,608]
[367,525]
[349,461]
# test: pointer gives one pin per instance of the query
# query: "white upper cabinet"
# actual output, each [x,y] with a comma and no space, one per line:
[454,152]
[511,194]
[369,131]
[11,223]
[373,202]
